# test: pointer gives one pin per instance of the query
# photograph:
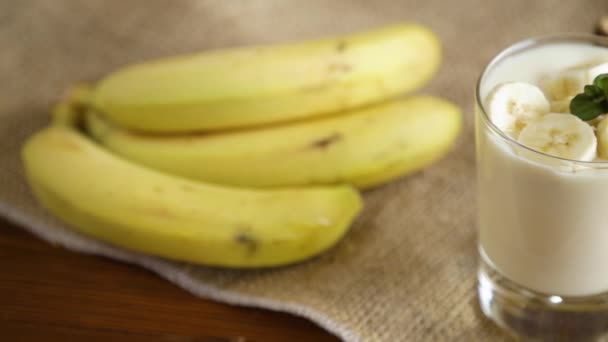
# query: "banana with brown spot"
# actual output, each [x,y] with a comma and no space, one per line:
[363,147]
[102,195]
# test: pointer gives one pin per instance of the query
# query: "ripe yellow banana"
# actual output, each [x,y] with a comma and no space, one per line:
[364,147]
[105,196]
[258,85]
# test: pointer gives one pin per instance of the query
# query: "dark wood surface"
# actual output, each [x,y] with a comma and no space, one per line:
[51,294]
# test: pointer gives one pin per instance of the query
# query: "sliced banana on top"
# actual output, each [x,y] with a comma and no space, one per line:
[561,106]
[561,135]
[571,81]
[513,105]
[565,84]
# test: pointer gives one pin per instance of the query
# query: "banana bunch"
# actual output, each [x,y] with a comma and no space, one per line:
[246,157]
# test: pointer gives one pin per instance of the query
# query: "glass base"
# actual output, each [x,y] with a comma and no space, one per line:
[534,316]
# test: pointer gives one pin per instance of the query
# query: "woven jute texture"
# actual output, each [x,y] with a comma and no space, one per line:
[406,270]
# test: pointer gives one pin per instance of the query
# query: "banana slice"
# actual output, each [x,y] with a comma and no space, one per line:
[565,84]
[513,105]
[561,106]
[602,137]
[561,135]
[571,81]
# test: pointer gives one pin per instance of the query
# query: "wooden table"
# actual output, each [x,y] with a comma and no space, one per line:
[51,294]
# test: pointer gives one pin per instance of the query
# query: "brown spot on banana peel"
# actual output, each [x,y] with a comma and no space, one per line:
[327,141]
[341,46]
[249,242]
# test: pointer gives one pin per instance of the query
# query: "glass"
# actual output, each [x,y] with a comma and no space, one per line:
[543,228]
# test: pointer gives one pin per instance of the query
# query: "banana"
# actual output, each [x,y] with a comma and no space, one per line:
[364,147]
[571,81]
[561,106]
[258,85]
[602,137]
[565,84]
[513,105]
[104,196]
[561,135]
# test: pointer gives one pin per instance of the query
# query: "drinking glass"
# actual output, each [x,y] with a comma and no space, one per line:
[542,227]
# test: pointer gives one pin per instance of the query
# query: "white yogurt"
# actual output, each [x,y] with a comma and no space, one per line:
[543,223]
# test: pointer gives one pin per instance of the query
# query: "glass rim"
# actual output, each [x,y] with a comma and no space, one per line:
[522,45]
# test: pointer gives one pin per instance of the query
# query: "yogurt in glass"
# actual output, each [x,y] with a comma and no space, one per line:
[542,191]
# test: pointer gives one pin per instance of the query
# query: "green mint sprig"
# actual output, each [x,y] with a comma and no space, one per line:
[593,101]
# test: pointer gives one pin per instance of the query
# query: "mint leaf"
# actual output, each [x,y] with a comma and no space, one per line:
[593,91]
[601,81]
[593,101]
[588,107]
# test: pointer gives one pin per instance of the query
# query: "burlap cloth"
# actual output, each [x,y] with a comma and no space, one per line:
[406,271]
